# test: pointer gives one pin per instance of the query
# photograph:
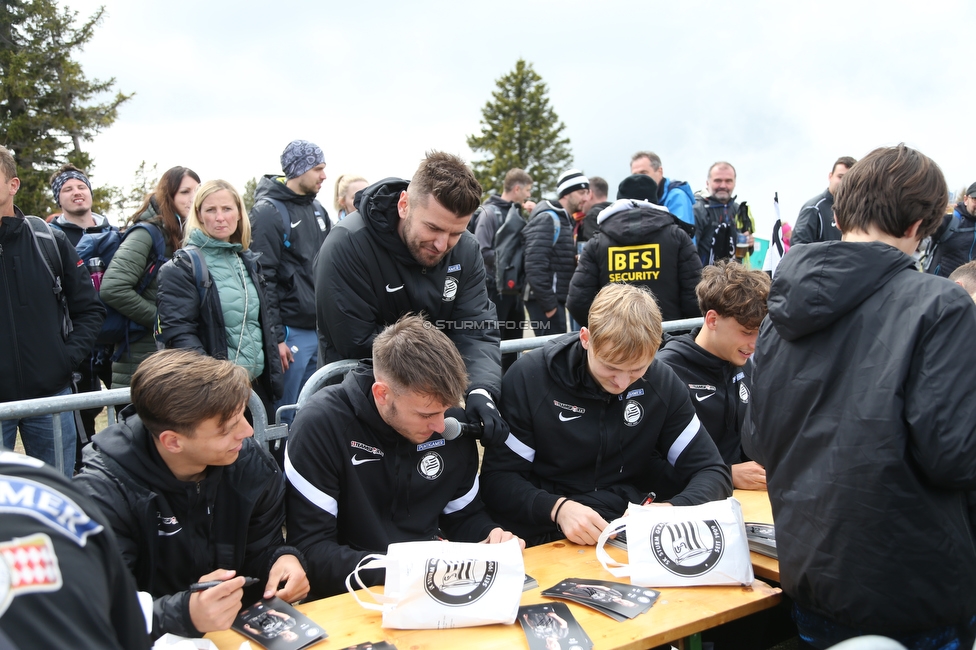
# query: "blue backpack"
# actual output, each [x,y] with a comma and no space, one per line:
[119,330]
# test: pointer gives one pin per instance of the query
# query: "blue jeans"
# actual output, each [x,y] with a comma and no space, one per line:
[303,367]
[37,434]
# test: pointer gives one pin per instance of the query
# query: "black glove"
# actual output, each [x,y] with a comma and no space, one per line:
[480,409]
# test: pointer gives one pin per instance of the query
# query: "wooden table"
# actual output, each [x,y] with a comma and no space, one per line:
[756,509]
[678,613]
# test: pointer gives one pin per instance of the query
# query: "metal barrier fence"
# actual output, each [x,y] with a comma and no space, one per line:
[263,430]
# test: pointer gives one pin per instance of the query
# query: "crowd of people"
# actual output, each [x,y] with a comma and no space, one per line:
[832,381]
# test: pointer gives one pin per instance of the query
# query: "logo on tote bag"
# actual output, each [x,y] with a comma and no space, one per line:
[688,548]
[458,582]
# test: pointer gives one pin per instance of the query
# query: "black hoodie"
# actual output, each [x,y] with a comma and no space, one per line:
[367,279]
[288,270]
[355,485]
[571,438]
[642,244]
[863,416]
[171,532]
[719,390]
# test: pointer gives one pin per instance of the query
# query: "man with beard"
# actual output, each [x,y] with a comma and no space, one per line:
[407,250]
[287,253]
[550,253]
[715,215]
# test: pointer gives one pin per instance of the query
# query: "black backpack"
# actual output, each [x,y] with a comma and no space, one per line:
[40,231]
[509,251]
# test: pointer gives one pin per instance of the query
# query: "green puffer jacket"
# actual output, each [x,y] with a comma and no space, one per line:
[239,302]
[118,291]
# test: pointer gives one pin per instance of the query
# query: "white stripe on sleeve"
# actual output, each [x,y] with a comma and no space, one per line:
[520,448]
[684,439]
[462,502]
[309,491]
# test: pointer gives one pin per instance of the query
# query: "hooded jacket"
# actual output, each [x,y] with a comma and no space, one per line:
[355,485]
[171,532]
[816,221]
[288,271]
[37,360]
[549,265]
[588,227]
[571,438]
[185,322]
[678,198]
[367,279]
[862,414]
[639,243]
[94,605]
[719,389]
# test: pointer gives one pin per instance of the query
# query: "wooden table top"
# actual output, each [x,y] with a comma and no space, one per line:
[757,509]
[677,613]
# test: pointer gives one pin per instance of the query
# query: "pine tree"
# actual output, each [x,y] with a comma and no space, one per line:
[47,110]
[519,128]
[250,187]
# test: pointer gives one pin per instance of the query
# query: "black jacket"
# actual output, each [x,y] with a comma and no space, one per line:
[549,265]
[172,532]
[960,247]
[589,227]
[719,391]
[708,215]
[37,361]
[184,323]
[95,606]
[571,438]
[816,221]
[355,485]
[288,270]
[863,416]
[367,279]
[74,232]
[642,244]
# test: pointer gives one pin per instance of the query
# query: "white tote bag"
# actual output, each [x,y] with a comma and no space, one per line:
[435,584]
[682,546]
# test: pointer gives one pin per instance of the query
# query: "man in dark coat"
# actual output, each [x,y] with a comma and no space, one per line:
[865,422]
[407,250]
[816,219]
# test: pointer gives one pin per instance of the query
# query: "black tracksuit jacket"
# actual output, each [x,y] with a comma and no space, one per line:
[367,279]
[571,438]
[355,485]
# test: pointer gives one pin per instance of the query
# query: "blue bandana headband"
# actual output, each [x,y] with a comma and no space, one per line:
[63,178]
[299,157]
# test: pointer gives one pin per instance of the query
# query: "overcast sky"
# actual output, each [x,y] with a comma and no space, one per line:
[780,89]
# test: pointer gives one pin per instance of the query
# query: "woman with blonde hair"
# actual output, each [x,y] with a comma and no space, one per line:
[345,192]
[211,294]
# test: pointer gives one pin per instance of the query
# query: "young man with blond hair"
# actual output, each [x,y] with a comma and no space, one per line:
[367,466]
[191,496]
[713,360]
[593,417]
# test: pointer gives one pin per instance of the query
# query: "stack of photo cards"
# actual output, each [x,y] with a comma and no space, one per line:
[276,625]
[379,645]
[617,600]
[551,626]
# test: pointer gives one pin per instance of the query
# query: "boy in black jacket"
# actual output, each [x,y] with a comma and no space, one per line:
[714,360]
[593,417]
[191,496]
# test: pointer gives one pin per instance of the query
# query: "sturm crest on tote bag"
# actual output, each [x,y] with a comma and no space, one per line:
[682,546]
[436,584]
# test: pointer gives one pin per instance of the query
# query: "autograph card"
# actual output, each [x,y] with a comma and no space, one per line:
[552,626]
[618,600]
[276,625]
